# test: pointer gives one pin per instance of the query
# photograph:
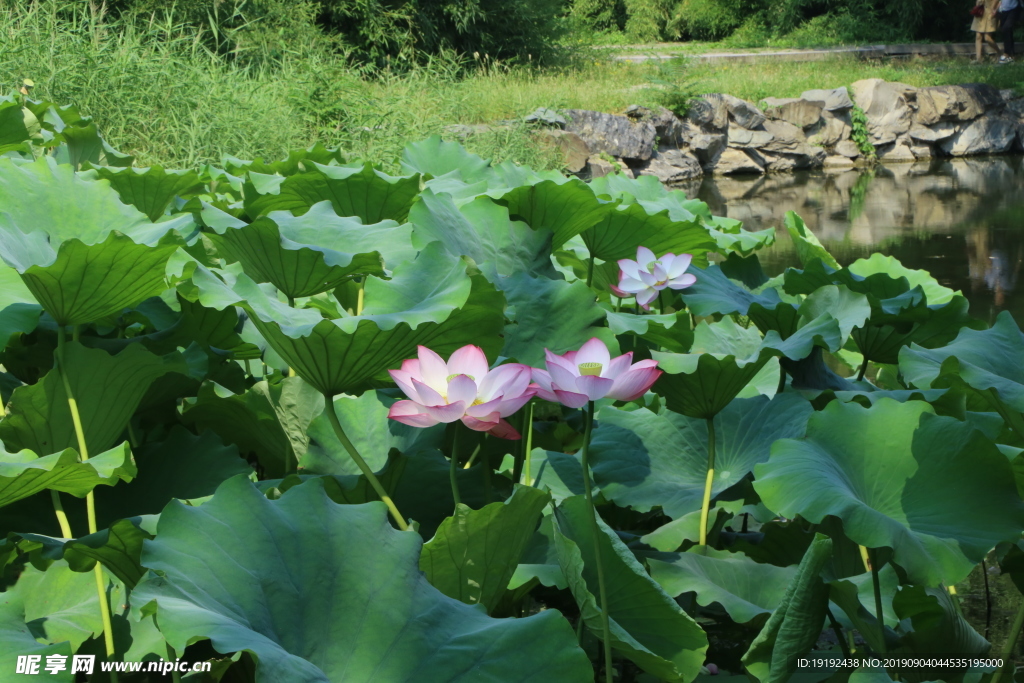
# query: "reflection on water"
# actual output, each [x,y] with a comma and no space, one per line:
[960,219]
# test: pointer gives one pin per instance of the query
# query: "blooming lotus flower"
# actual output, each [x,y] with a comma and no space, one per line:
[648,275]
[589,374]
[461,389]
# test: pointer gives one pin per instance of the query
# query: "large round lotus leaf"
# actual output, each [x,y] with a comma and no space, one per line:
[24,473]
[82,253]
[19,639]
[150,190]
[646,625]
[437,157]
[746,589]
[645,460]
[19,311]
[430,301]
[308,254]
[482,230]
[626,227]
[564,208]
[357,190]
[935,490]
[321,592]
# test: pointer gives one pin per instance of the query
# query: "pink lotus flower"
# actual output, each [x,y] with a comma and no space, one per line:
[461,389]
[589,374]
[648,275]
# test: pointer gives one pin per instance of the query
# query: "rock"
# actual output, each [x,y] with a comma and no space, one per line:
[887,106]
[1008,94]
[922,151]
[795,110]
[848,149]
[600,167]
[615,135]
[897,151]
[638,113]
[836,161]
[671,166]
[743,113]
[809,157]
[669,127]
[832,128]
[709,113]
[735,161]
[933,133]
[574,149]
[955,102]
[744,138]
[837,99]
[707,147]
[1017,107]
[981,98]
[464,131]
[785,137]
[986,135]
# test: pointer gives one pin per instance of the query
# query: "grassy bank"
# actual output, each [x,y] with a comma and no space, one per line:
[158,93]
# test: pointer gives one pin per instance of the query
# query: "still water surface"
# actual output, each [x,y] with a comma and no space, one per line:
[960,219]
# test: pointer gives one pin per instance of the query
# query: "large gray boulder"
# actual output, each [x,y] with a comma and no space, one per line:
[707,146]
[847,148]
[708,113]
[723,108]
[795,110]
[785,137]
[887,106]
[831,129]
[986,135]
[955,102]
[574,149]
[837,99]
[743,113]
[933,133]
[615,135]
[737,161]
[671,166]
[744,138]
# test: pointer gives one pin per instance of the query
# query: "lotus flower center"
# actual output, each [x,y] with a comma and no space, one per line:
[451,377]
[590,369]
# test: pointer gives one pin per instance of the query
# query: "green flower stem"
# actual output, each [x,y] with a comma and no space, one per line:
[90,500]
[838,630]
[705,506]
[1011,642]
[529,447]
[595,530]
[172,656]
[590,272]
[332,417]
[873,555]
[62,518]
[454,466]
[520,457]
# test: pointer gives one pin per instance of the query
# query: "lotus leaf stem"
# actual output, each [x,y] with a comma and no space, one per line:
[873,556]
[291,300]
[485,464]
[90,499]
[62,517]
[332,417]
[454,467]
[705,505]
[590,271]
[595,531]
[863,369]
[1011,642]
[173,656]
[361,296]
[472,458]
[838,630]
[527,474]
[520,457]
[782,381]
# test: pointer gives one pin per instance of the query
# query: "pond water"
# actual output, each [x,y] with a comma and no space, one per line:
[960,219]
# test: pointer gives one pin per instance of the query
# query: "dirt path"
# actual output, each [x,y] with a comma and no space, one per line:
[643,53]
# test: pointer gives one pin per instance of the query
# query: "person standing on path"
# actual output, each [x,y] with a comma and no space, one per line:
[1009,15]
[984,26]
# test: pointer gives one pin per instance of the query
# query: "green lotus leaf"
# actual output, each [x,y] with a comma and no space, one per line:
[927,326]
[308,254]
[558,473]
[60,604]
[182,466]
[743,242]
[118,548]
[625,227]
[365,421]
[672,536]
[989,361]
[14,134]
[269,420]
[357,608]
[890,265]
[939,627]
[474,553]
[481,230]
[20,639]
[941,495]
[808,248]
[794,627]
[107,388]
[355,190]
[855,597]
[430,301]
[648,191]
[297,160]
[550,314]
[850,309]
[744,588]
[647,626]
[82,253]
[540,560]
[24,473]
[19,312]
[566,208]
[715,293]
[150,190]
[436,157]
[645,460]
[671,331]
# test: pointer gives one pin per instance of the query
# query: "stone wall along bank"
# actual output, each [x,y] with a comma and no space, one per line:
[725,135]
